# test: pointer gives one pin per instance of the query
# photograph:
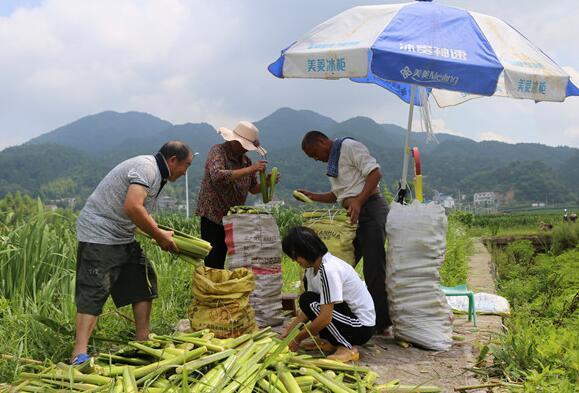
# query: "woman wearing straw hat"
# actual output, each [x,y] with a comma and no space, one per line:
[229,176]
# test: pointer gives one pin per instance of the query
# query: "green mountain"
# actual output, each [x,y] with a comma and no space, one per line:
[286,127]
[104,131]
[71,160]
[29,167]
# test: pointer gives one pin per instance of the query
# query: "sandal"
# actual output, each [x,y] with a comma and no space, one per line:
[80,359]
[345,355]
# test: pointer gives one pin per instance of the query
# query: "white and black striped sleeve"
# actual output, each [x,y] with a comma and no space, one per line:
[331,285]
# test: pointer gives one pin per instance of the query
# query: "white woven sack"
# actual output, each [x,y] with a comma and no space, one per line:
[485,303]
[266,297]
[416,247]
[252,240]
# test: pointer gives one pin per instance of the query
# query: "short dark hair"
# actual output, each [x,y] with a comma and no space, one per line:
[303,242]
[175,148]
[312,137]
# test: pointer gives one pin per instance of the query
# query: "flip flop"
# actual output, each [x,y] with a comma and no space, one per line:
[80,359]
[345,355]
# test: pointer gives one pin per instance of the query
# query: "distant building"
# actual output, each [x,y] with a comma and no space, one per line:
[485,202]
[444,200]
[62,203]
[167,203]
[448,202]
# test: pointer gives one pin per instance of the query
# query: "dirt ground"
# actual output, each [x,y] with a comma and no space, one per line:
[417,366]
[447,369]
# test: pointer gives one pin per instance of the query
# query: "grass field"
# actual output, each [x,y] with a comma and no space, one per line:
[37,265]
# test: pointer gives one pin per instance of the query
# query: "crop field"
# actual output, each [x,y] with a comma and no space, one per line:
[37,270]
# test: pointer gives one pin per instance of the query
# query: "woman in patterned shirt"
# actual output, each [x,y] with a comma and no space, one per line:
[229,176]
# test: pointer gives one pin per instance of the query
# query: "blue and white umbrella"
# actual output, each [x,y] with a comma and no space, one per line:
[456,55]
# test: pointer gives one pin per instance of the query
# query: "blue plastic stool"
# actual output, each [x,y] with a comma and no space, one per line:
[462,290]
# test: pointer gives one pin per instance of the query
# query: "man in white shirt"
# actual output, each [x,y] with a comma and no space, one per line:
[354,177]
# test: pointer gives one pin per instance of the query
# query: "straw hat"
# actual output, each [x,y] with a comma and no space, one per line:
[245,133]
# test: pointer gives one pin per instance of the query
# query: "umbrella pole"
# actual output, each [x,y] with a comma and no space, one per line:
[403,183]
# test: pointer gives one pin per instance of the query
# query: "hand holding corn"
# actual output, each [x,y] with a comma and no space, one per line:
[303,196]
[165,241]
[259,166]
[188,247]
[267,184]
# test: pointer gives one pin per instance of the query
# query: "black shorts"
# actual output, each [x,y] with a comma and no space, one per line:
[121,271]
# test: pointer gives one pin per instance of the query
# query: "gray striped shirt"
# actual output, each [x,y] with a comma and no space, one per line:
[102,219]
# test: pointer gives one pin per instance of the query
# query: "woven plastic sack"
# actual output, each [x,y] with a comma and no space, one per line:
[416,247]
[337,234]
[221,301]
[485,303]
[266,298]
[253,241]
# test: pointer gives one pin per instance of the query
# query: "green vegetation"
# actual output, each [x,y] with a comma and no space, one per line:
[565,237]
[541,343]
[505,224]
[37,262]
[454,270]
[37,265]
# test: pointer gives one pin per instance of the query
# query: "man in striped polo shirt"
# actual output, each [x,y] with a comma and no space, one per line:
[109,259]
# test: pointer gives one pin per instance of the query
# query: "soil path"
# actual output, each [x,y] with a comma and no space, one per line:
[443,369]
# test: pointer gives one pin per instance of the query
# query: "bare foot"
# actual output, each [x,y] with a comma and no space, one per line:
[345,355]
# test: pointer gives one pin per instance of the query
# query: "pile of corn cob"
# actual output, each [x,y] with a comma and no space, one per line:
[191,249]
[333,214]
[246,210]
[267,186]
[198,362]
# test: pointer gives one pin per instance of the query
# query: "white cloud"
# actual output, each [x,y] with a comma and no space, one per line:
[439,125]
[195,60]
[66,59]
[492,136]
[572,132]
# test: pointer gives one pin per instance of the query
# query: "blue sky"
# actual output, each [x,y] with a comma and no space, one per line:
[205,61]
[7,7]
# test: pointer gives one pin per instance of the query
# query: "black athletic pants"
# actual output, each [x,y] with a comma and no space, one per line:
[345,329]
[369,244]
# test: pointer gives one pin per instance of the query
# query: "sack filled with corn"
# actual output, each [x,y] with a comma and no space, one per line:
[334,228]
[220,301]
